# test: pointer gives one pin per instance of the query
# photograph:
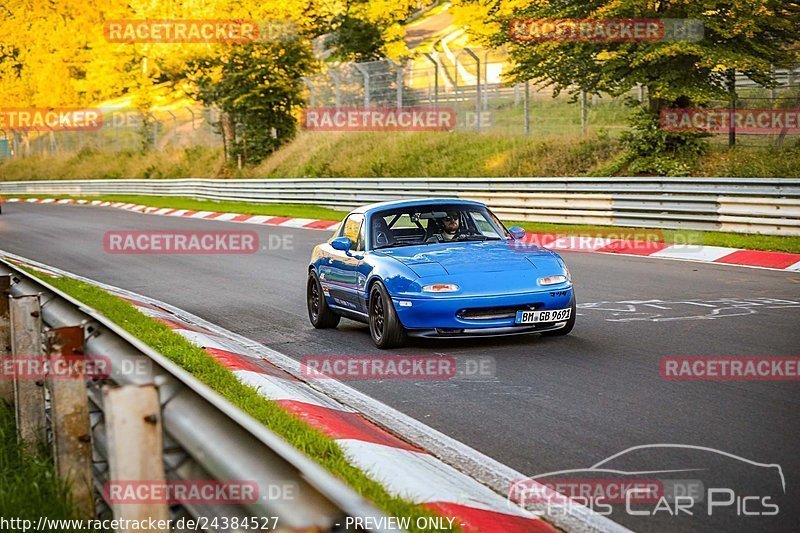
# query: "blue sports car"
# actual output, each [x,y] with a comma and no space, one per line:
[437,268]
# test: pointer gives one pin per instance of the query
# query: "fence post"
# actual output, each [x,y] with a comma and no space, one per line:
[6,382]
[194,129]
[486,80]
[135,446]
[773,92]
[527,108]
[477,88]
[365,74]
[51,141]
[39,141]
[174,128]
[69,415]
[155,132]
[732,108]
[26,341]
[584,112]
[310,86]
[399,82]
[336,89]
[435,79]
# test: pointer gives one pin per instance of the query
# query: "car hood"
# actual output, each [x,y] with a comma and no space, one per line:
[470,257]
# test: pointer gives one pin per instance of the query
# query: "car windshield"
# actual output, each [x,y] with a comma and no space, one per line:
[434,224]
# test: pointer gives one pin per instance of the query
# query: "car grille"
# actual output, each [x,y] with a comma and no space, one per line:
[494,313]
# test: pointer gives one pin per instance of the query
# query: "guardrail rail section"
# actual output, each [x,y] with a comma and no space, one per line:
[141,418]
[743,205]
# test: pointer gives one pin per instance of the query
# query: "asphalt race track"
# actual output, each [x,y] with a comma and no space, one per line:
[555,403]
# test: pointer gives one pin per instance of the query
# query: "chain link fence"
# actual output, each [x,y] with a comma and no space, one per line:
[120,130]
[470,81]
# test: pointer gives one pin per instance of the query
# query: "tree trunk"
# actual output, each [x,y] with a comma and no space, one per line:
[228,133]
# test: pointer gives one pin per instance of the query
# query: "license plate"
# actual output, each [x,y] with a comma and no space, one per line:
[535,317]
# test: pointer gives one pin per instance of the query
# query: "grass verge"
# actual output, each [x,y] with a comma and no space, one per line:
[553,149]
[775,243]
[29,488]
[89,163]
[195,360]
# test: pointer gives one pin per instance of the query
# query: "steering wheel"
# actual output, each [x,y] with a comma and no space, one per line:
[381,239]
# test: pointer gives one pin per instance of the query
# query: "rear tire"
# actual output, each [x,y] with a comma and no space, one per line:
[320,315]
[570,322]
[384,326]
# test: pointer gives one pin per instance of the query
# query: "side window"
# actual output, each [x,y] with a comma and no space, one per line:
[352,230]
[360,240]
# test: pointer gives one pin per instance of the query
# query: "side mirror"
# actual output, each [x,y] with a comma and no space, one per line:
[516,232]
[342,244]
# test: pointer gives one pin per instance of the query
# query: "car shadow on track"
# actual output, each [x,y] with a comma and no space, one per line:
[359,334]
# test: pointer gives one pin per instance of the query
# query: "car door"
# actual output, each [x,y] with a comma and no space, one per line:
[341,274]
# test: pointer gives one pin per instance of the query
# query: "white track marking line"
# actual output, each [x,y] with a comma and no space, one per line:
[400,471]
[694,253]
[297,222]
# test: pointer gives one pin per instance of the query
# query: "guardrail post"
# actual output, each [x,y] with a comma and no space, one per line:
[69,415]
[26,341]
[6,382]
[135,446]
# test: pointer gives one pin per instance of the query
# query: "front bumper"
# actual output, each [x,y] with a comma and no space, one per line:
[443,333]
[443,316]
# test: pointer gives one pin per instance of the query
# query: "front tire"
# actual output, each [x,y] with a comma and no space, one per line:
[320,315]
[384,326]
[570,322]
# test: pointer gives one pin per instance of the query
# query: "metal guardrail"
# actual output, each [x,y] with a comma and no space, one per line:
[744,205]
[205,437]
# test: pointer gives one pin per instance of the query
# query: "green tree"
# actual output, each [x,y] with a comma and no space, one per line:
[257,87]
[357,39]
[749,36]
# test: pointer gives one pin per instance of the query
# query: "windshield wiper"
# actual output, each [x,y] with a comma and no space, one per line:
[396,244]
[481,238]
